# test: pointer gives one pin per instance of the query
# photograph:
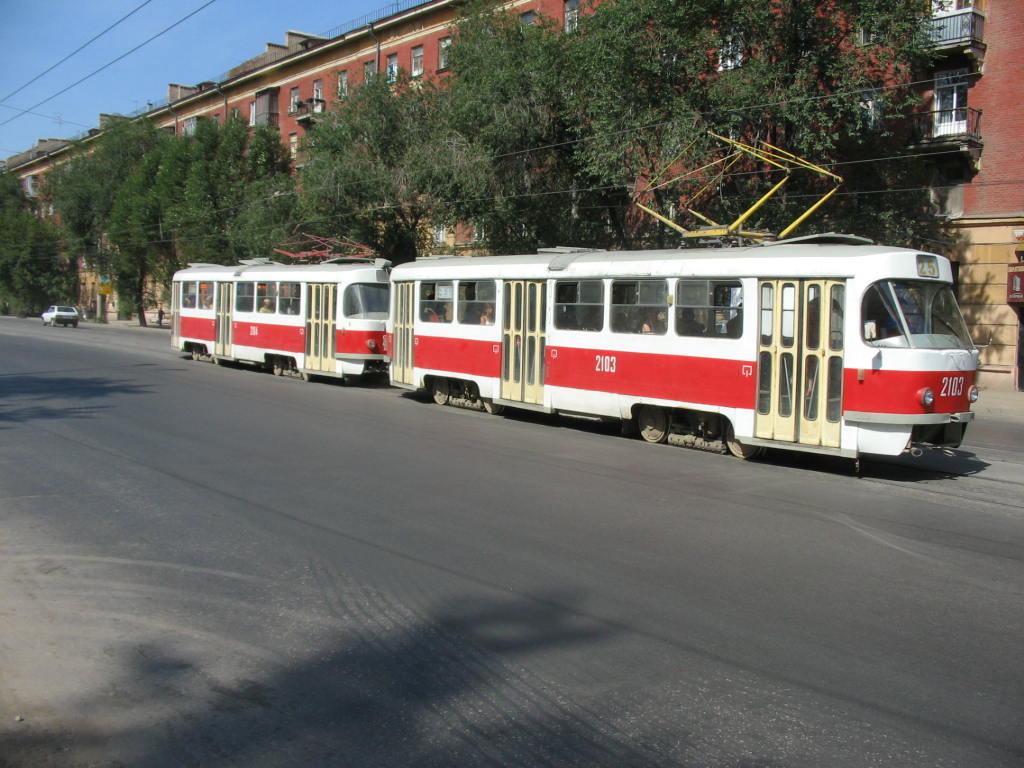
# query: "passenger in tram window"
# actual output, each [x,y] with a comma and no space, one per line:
[688,325]
[267,306]
[487,315]
[654,323]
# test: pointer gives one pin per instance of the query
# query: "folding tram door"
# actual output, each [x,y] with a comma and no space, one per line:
[522,369]
[321,300]
[800,361]
[401,334]
[222,345]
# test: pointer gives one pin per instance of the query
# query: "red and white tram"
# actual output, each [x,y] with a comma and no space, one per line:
[308,320]
[827,343]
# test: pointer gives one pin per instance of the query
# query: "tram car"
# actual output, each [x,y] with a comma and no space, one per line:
[827,343]
[322,319]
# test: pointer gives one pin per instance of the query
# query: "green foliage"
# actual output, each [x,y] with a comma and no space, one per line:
[33,273]
[376,167]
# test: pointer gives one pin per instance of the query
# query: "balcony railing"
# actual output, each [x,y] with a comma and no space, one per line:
[957,126]
[959,29]
[308,109]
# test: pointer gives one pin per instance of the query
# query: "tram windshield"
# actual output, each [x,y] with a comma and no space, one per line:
[366,300]
[913,314]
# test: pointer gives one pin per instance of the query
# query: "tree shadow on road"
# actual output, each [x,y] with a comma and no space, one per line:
[25,398]
[444,690]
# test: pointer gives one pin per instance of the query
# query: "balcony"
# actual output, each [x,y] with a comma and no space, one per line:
[306,111]
[961,30]
[957,130]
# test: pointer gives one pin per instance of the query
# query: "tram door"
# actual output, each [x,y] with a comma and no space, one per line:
[321,300]
[800,361]
[222,345]
[401,336]
[522,366]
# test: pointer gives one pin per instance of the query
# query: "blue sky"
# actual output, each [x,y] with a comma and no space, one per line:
[37,34]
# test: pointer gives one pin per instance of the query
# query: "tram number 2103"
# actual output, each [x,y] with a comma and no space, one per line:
[604,363]
[952,386]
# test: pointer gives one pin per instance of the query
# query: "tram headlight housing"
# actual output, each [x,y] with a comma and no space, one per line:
[926,397]
[973,393]
[371,344]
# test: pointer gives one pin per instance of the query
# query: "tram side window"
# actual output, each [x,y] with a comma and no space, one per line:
[245,296]
[266,297]
[579,305]
[712,308]
[288,298]
[189,295]
[366,300]
[476,302]
[639,306]
[206,295]
[436,301]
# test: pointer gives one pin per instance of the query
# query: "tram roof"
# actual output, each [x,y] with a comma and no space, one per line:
[797,258]
[272,269]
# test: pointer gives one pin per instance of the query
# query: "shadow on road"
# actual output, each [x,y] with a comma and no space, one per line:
[31,397]
[443,691]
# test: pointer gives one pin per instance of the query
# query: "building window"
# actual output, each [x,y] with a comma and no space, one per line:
[343,84]
[293,145]
[236,113]
[951,102]
[442,52]
[263,111]
[318,90]
[572,15]
[417,61]
[369,70]
[440,234]
[530,17]
[730,54]
[871,110]
[293,101]
[392,70]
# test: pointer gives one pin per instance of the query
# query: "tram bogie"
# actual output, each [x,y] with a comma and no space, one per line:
[826,344]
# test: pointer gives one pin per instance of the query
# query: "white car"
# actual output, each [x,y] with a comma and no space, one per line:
[58,315]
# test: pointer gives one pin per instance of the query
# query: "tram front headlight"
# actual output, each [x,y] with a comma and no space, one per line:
[973,393]
[371,345]
[926,396]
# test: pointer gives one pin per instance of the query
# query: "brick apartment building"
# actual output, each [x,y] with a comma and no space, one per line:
[969,128]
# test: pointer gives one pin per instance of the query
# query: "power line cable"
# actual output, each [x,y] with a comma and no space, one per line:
[111,63]
[77,50]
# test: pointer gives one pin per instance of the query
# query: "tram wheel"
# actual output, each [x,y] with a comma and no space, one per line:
[493,408]
[738,449]
[653,423]
[214,359]
[306,376]
[277,369]
[439,391]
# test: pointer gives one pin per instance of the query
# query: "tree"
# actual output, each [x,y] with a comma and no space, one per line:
[651,78]
[378,169]
[33,273]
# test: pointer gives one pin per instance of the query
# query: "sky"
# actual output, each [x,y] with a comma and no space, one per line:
[140,46]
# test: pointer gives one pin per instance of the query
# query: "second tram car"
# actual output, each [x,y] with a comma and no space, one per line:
[322,319]
[827,343]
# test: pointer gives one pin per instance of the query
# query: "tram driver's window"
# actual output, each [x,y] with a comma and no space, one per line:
[579,305]
[476,302]
[639,306]
[245,296]
[711,308]
[189,295]
[436,301]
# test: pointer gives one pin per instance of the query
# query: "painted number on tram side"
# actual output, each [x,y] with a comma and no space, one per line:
[604,363]
[952,386]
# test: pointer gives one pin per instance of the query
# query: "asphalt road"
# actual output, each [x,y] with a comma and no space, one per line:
[211,566]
